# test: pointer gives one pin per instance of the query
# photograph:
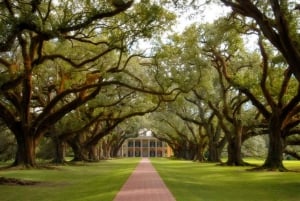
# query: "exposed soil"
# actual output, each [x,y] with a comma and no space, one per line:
[13,181]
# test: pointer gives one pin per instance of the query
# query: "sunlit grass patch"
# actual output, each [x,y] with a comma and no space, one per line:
[85,182]
[208,182]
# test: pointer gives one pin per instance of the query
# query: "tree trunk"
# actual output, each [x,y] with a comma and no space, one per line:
[180,153]
[235,151]
[116,148]
[234,154]
[59,157]
[115,151]
[213,154]
[104,149]
[93,153]
[79,154]
[276,146]
[25,155]
[107,151]
[200,153]
[214,147]
[193,152]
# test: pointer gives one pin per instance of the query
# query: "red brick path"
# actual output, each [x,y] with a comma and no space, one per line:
[144,184]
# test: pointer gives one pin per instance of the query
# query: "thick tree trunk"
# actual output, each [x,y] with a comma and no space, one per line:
[199,156]
[116,148]
[194,153]
[189,150]
[188,154]
[234,154]
[235,149]
[115,151]
[276,146]
[104,149]
[106,152]
[179,153]
[59,157]
[213,154]
[215,145]
[79,154]
[93,153]
[25,155]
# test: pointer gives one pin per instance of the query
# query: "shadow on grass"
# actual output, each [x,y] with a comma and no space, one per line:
[18,182]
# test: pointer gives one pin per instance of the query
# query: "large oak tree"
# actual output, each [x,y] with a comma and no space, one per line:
[56,56]
[278,21]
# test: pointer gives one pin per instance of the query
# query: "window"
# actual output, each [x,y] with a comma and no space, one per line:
[152,153]
[145,143]
[130,153]
[137,153]
[137,144]
[159,144]
[130,143]
[152,143]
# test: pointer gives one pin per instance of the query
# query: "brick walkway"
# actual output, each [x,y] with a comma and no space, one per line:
[144,184]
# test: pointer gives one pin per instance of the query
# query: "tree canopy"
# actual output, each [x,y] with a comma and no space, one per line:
[80,72]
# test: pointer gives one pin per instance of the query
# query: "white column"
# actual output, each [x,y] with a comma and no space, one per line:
[163,149]
[133,141]
[148,149]
[141,148]
[155,147]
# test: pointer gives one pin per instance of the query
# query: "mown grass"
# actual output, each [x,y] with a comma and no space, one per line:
[188,181]
[192,181]
[85,182]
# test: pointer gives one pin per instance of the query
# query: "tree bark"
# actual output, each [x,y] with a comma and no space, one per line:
[234,154]
[25,155]
[106,149]
[214,147]
[199,156]
[276,146]
[79,154]
[93,153]
[59,157]
[213,152]
[235,148]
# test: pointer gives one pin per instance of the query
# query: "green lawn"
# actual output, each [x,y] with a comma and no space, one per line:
[86,182]
[188,181]
[191,181]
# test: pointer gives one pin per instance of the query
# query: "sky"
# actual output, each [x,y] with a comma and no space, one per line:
[205,14]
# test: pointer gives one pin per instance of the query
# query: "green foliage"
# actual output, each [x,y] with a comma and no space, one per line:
[181,61]
[69,52]
[255,147]
[45,150]
[7,145]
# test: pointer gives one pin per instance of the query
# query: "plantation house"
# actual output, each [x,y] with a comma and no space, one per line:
[145,146]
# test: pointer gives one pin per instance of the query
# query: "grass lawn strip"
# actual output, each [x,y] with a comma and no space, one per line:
[85,182]
[192,181]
